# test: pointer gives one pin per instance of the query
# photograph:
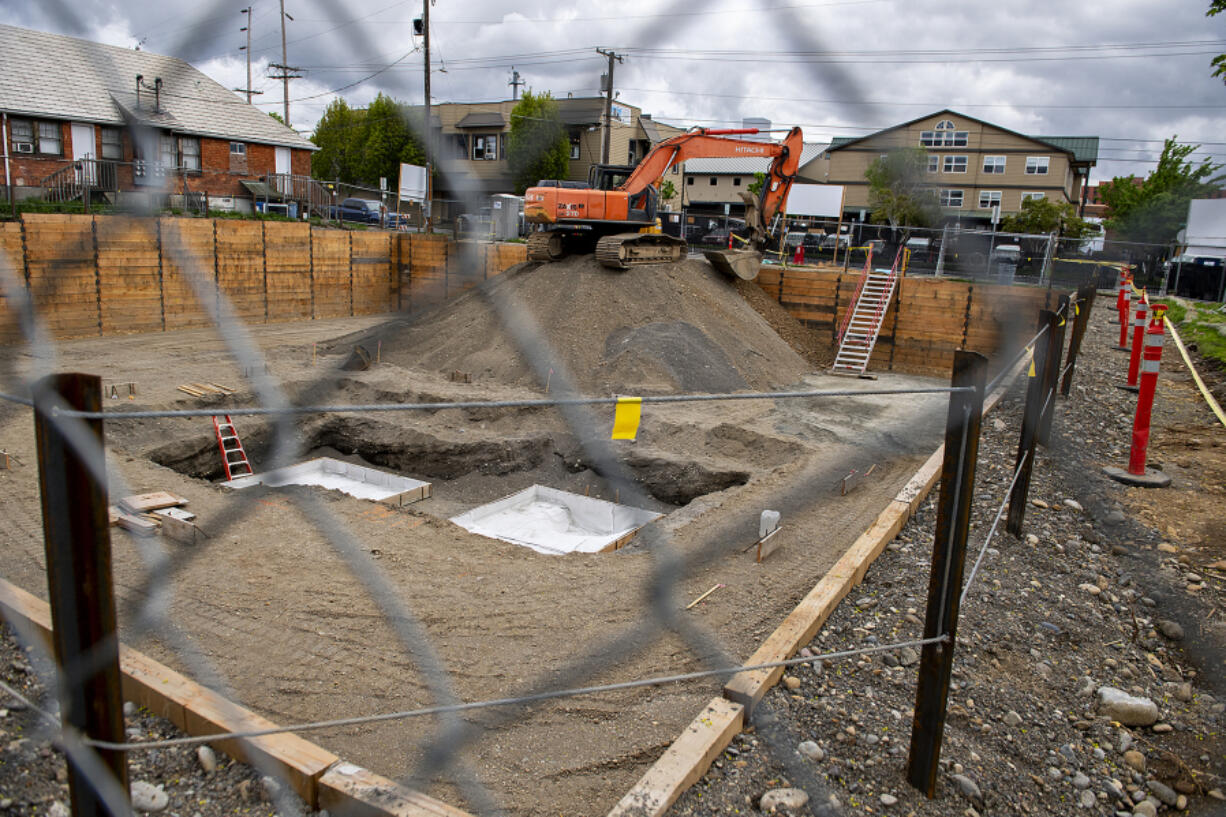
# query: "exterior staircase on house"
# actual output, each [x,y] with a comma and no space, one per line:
[79,179]
[865,314]
[312,196]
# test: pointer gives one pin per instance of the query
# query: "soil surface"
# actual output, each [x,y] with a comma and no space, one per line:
[1108,586]
[299,625]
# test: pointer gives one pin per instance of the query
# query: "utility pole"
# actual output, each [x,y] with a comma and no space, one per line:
[515,83]
[248,90]
[608,106]
[428,126]
[285,76]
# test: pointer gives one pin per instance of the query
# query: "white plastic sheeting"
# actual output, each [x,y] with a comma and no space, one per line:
[338,475]
[552,521]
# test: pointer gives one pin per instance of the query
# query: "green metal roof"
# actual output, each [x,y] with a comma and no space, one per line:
[1084,148]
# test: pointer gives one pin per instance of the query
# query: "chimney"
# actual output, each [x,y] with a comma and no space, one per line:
[157,95]
[139,77]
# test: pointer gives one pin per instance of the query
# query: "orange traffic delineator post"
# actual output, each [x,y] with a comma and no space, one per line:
[1124,304]
[1137,473]
[1122,286]
[1139,321]
[799,257]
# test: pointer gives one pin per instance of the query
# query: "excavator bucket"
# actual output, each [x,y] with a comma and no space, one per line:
[736,263]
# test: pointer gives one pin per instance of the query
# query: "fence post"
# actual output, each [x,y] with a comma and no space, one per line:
[1035,395]
[948,560]
[78,552]
[1085,302]
[1051,381]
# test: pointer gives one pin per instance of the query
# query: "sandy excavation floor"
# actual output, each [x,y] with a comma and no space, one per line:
[270,604]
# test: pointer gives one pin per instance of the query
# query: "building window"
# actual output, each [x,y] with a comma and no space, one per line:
[934,163]
[951,198]
[955,164]
[714,181]
[502,145]
[50,138]
[689,180]
[485,148]
[574,147]
[993,164]
[459,145]
[1036,165]
[736,181]
[112,143]
[22,135]
[189,153]
[944,136]
[167,155]
[238,148]
[1033,196]
[989,199]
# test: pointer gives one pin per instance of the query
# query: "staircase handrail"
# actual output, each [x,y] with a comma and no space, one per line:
[855,298]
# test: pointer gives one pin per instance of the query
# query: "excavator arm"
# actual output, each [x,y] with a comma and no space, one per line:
[709,144]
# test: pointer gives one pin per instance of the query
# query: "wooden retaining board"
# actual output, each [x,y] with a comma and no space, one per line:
[63,279]
[240,267]
[187,256]
[330,280]
[287,263]
[12,271]
[129,275]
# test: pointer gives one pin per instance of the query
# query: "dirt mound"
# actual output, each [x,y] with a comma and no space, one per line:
[652,329]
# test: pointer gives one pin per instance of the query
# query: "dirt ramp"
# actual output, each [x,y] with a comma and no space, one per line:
[665,328]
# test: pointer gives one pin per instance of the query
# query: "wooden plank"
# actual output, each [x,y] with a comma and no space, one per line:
[355,792]
[143,503]
[685,761]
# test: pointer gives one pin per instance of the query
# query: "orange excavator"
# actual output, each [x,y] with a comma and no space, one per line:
[617,220]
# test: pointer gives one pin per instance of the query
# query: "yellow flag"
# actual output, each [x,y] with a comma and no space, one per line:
[626,418]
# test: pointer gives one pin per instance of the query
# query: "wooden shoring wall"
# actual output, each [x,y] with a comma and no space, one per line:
[927,320]
[12,280]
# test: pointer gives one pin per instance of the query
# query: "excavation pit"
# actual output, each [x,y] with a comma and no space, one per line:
[556,522]
[346,477]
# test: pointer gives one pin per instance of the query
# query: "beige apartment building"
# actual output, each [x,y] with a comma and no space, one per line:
[472,141]
[974,165]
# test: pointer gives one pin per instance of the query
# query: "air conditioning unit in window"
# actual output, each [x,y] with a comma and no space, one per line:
[23,147]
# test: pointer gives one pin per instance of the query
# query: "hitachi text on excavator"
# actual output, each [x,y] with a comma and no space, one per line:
[614,218]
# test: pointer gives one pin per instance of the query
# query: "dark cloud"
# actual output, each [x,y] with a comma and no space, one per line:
[837,67]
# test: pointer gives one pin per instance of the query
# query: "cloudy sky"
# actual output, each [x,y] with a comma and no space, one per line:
[1131,72]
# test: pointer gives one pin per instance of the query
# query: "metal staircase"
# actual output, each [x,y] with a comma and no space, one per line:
[233,457]
[865,314]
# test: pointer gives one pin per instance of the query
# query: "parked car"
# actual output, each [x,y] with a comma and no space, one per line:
[831,241]
[364,211]
[810,241]
[715,238]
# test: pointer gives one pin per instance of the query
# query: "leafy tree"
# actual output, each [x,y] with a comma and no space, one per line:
[899,191]
[337,134]
[538,147]
[386,139]
[1154,209]
[668,191]
[755,188]
[1044,216]
[1219,62]
[276,116]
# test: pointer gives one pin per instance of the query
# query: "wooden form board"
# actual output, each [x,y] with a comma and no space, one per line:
[684,762]
[318,776]
[287,269]
[63,276]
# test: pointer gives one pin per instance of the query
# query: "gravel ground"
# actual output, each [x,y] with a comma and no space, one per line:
[1092,596]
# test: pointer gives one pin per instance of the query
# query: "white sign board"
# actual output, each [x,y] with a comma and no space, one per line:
[412,183]
[817,200]
[1206,232]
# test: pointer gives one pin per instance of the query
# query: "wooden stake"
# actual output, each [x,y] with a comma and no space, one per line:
[703,596]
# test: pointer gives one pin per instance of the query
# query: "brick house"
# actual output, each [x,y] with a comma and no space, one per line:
[77,115]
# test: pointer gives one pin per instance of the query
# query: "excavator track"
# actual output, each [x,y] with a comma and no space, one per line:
[626,250]
[545,246]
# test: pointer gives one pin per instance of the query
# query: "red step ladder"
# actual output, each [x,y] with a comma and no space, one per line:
[233,457]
